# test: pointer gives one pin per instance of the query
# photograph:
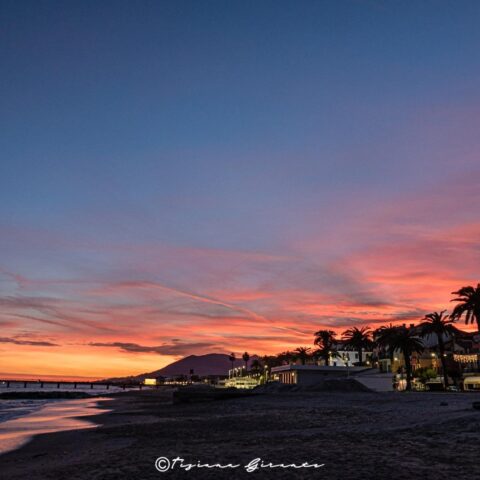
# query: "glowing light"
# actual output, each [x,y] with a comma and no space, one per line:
[465,358]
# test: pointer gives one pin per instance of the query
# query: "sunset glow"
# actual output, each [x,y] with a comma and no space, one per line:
[230,197]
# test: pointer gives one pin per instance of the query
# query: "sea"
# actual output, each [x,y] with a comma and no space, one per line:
[22,419]
[10,409]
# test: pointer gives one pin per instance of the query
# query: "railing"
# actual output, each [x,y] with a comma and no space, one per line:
[78,384]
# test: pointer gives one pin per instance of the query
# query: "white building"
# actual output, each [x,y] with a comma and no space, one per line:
[242,382]
[344,358]
[312,374]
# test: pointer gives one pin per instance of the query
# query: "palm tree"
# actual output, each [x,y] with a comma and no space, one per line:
[303,353]
[285,358]
[246,358]
[440,325]
[256,366]
[232,358]
[271,361]
[469,305]
[407,342]
[358,339]
[383,337]
[325,339]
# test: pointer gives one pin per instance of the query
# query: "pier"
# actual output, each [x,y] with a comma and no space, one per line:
[55,384]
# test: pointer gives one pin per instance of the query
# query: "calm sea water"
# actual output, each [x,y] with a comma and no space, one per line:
[23,419]
[10,409]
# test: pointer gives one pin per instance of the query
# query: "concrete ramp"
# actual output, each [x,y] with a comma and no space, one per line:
[378,382]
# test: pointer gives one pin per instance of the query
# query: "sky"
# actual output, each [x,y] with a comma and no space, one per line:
[184,177]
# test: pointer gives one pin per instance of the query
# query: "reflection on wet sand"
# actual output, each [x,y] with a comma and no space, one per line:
[54,417]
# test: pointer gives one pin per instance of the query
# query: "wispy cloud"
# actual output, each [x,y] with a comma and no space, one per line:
[174,349]
[396,263]
[34,343]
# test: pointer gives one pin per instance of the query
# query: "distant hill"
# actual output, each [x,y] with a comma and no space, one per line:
[209,364]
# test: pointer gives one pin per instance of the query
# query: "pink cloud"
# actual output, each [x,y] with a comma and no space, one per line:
[400,260]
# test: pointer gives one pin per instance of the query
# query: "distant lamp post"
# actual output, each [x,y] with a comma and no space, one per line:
[265,373]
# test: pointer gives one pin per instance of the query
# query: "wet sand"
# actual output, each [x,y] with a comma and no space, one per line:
[356,436]
[52,417]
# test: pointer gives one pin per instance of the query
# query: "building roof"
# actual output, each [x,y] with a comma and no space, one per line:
[318,368]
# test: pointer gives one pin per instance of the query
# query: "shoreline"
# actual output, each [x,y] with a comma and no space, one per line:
[55,415]
[386,435]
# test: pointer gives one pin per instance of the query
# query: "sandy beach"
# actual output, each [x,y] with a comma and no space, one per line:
[355,436]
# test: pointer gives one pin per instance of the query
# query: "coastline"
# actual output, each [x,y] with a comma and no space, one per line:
[358,435]
[49,415]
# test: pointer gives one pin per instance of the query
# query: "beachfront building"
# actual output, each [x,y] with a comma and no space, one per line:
[344,358]
[150,382]
[471,384]
[461,352]
[461,347]
[468,361]
[242,382]
[309,374]
[305,375]
[428,359]
[238,377]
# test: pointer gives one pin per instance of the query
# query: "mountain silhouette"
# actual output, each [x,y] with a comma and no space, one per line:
[202,365]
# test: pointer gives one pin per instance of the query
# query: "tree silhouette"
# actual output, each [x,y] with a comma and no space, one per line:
[407,342]
[232,359]
[325,340]
[246,358]
[256,366]
[358,339]
[383,336]
[285,357]
[302,353]
[440,325]
[469,305]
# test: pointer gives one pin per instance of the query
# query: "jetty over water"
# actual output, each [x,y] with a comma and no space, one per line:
[64,384]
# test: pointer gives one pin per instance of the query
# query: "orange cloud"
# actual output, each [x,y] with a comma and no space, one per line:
[156,302]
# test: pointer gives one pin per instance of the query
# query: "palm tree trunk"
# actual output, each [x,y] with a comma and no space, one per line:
[443,360]
[326,357]
[408,368]
[360,359]
[477,318]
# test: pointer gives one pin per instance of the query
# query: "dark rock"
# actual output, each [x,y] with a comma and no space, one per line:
[205,393]
[43,395]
